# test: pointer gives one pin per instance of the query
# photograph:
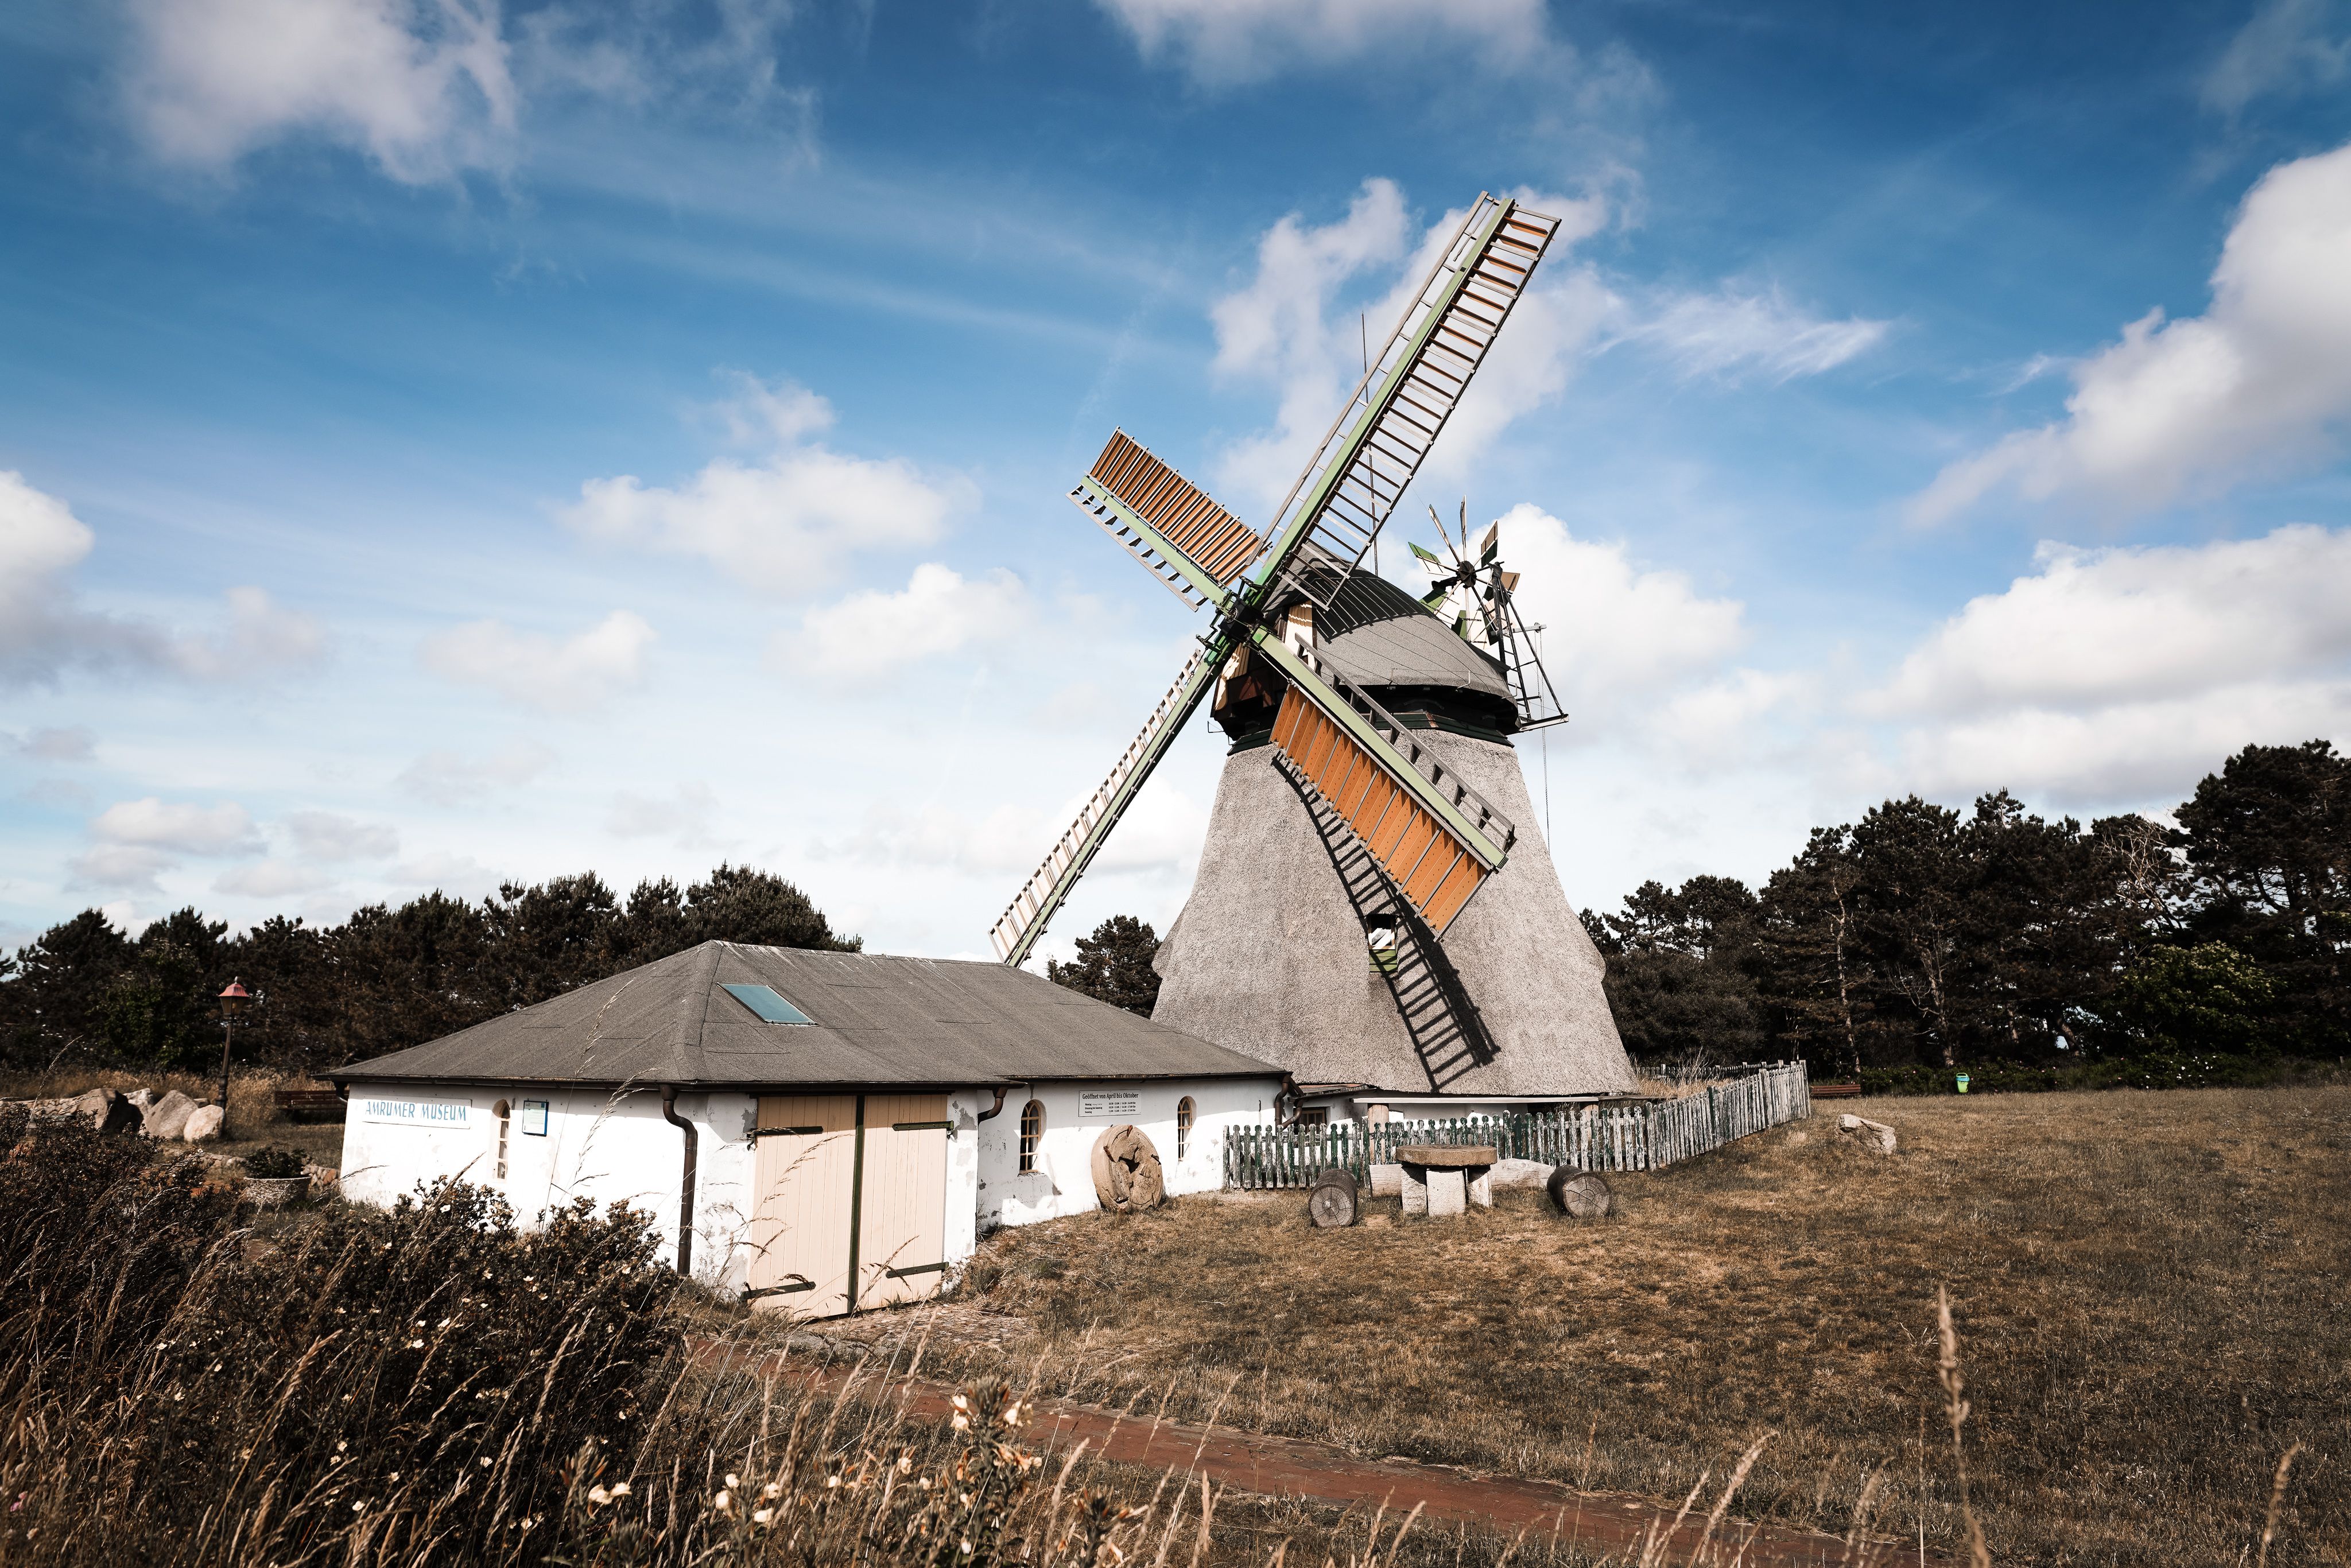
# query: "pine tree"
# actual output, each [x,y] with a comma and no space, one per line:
[1113,964]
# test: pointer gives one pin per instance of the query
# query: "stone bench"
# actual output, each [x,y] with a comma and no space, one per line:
[1442,1180]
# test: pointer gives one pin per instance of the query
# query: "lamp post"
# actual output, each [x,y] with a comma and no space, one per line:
[231,1001]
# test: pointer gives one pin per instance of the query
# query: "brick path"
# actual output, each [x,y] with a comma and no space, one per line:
[1317,1472]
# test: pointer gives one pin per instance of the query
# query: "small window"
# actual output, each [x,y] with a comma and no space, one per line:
[1319,1116]
[1182,1126]
[1380,933]
[503,1111]
[1032,1130]
[770,1006]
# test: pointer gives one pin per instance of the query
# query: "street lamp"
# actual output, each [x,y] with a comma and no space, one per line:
[231,1001]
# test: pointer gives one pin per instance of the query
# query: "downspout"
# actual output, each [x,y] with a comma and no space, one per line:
[1002,1090]
[685,1182]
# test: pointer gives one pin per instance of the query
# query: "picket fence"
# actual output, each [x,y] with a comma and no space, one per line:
[1639,1137]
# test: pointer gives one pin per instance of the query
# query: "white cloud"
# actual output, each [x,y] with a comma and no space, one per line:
[2260,381]
[137,841]
[130,867]
[938,612]
[2285,49]
[324,836]
[459,875]
[272,879]
[1247,40]
[683,818]
[2126,673]
[449,779]
[1731,333]
[785,523]
[263,638]
[1286,328]
[221,829]
[575,674]
[2097,627]
[422,87]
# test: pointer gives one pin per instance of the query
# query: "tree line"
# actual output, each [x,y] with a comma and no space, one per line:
[85,993]
[1921,939]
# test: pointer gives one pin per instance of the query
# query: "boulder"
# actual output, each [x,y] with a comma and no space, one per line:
[1507,1174]
[140,1099]
[1852,1124]
[203,1125]
[1126,1171]
[167,1117]
[1387,1181]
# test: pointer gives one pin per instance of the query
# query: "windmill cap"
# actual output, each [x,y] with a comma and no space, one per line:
[1381,637]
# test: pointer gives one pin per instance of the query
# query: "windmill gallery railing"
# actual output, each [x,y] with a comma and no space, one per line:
[1601,1137]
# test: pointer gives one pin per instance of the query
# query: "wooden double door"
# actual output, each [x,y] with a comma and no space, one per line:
[851,1200]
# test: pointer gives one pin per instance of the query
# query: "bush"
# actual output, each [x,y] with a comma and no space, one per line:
[2155,1070]
[273,1164]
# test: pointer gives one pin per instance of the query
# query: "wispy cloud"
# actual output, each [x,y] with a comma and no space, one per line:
[1734,333]
[1231,41]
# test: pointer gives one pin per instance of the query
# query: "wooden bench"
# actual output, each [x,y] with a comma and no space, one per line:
[309,1104]
[1834,1090]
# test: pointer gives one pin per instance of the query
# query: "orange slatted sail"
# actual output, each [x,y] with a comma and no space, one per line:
[1419,854]
[1219,543]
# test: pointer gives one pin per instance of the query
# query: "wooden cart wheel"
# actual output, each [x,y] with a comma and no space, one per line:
[1334,1202]
[1578,1194]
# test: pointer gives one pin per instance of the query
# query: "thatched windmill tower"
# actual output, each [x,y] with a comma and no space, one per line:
[1366,912]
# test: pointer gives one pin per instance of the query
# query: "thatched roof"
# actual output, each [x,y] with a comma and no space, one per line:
[873,1019]
[1270,957]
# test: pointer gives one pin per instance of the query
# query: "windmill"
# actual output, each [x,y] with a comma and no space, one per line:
[1385,825]
[1475,593]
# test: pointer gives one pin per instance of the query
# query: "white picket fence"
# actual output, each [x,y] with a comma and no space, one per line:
[1637,1137]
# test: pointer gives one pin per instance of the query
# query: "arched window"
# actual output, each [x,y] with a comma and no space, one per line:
[502,1110]
[1182,1126]
[1032,1131]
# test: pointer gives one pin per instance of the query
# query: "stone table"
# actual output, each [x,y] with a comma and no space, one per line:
[1445,1179]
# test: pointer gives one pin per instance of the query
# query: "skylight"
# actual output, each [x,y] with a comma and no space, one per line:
[770,1006]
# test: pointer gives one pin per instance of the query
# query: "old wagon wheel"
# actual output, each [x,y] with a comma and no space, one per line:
[1335,1202]
[1579,1194]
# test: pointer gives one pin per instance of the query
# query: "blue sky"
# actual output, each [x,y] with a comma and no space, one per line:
[451,442]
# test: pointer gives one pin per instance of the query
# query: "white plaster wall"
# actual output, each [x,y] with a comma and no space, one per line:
[1063,1182]
[602,1146]
[610,1147]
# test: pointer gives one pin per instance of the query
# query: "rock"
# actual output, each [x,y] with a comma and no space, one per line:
[166,1117]
[1126,1171]
[1387,1181]
[1512,1175]
[1449,1192]
[1883,1134]
[322,1175]
[140,1099]
[1580,1195]
[203,1125]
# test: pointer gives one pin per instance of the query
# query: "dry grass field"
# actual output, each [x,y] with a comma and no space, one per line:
[2153,1293]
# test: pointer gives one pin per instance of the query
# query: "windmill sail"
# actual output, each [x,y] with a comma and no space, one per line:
[1024,921]
[1188,542]
[1374,448]
[1437,839]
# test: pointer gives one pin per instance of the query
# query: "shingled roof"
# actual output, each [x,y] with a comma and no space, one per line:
[873,1019]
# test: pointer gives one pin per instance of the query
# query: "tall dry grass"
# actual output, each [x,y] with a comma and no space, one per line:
[429,1385]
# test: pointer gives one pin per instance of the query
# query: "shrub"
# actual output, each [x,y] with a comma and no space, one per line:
[273,1164]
